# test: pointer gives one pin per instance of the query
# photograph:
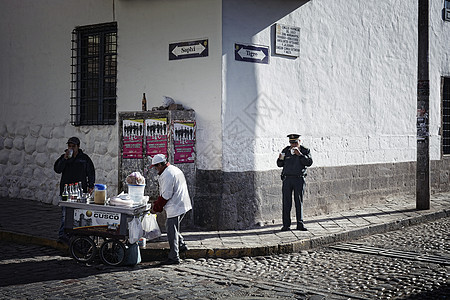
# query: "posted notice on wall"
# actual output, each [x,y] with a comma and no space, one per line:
[184,141]
[287,40]
[156,136]
[133,137]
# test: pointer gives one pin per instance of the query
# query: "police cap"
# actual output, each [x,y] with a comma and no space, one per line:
[293,137]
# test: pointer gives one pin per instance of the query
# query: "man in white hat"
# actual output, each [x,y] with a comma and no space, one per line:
[174,199]
[294,160]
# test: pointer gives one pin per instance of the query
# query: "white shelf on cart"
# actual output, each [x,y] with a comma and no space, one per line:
[133,210]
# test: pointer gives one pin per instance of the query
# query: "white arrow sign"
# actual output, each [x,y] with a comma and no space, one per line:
[191,49]
[253,54]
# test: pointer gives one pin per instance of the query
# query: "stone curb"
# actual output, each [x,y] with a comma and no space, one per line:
[22,238]
[297,246]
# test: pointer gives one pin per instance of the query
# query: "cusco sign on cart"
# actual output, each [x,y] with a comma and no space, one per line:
[96,220]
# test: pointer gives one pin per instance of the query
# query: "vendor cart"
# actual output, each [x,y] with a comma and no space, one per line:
[99,229]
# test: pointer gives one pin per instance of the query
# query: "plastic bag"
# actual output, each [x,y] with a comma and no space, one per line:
[135,230]
[132,255]
[150,227]
[135,178]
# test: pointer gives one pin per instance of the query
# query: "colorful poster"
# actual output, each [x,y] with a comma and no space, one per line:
[156,136]
[96,220]
[133,136]
[184,141]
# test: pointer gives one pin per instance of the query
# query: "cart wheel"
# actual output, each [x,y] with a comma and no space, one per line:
[112,252]
[83,249]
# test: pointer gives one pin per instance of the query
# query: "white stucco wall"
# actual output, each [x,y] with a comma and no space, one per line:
[146,28]
[351,93]
[439,67]
[35,82]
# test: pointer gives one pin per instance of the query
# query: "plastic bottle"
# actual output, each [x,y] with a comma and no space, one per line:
[76,191]
[72,195]
[65,194]
[144,103]
[80,191]
[82,195]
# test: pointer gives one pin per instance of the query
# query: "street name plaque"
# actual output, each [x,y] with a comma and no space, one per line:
[251,53]
[189,49]
[287,40]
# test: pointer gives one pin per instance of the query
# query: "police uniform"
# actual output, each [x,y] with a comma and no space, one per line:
[293,177]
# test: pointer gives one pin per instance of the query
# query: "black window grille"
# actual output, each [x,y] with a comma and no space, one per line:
[446,116]
[94,75]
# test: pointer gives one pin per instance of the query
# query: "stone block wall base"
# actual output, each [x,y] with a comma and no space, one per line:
[242,200]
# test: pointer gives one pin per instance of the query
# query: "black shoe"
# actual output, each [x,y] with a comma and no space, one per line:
[301,228]
[183,248]
[285,228]
[169,262]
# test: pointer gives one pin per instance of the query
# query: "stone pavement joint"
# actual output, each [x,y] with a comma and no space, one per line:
[32,222]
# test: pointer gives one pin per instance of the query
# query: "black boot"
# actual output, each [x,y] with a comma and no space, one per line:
[183,248]
[301,227]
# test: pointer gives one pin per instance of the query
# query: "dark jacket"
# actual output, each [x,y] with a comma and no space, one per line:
[75,169]
[295,165]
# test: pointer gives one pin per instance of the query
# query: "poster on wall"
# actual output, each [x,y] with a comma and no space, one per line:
[133,136]
[184,141]
[156,136]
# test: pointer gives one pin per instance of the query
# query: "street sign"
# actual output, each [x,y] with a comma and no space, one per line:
[251,53]
[287,40]
[189,49]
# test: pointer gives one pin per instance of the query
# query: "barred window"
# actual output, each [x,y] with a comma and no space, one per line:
[446,116]
[94,75]
[446,10]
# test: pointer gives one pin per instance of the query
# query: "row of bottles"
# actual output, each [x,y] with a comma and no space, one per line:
[73,192]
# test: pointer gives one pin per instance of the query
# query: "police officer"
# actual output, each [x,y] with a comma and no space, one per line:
[294,160]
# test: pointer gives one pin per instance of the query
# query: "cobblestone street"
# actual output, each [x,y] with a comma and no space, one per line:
[361,275]
[34,272]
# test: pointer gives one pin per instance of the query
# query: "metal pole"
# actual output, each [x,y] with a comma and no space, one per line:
[423,97]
